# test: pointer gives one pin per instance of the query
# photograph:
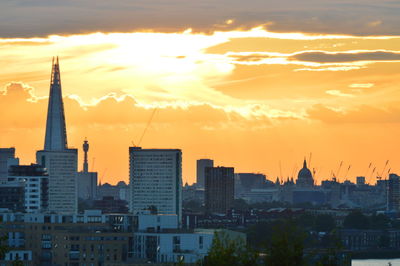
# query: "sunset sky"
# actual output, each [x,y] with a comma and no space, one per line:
[257,85]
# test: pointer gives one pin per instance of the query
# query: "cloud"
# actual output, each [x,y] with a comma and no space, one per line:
[375,23]
[110,110]
[338,93]
[362,114]
[346,57]
[362,85]
[31,18]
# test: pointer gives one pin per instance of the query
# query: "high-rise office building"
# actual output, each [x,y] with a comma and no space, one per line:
[36,182]
[60,162]
[201,167]
[393,195]
[155,180]
[219,189]
[7,158]
[86,181]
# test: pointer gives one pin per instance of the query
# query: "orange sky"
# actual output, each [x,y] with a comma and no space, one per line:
[252,98]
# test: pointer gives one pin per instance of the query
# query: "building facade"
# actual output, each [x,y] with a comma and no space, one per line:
[219,190]
[91,238]
[12,196]
[200,170]
[393,195]
[155,180]
[61,168]
[36,183]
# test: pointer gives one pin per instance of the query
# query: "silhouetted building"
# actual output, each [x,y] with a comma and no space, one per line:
[61,162]
[7,158]
[219,189]
[245,182]
[86,181]
[155,180]
[360,180]
[200,170]
[111,205]
[119,191]
[36,185]
[305,178]
[393,196]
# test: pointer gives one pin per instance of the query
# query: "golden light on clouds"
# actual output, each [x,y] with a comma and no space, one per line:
[246,98]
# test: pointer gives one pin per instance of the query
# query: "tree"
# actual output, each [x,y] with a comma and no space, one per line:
[356,220]
[287,245]
[3,246]
[229,252]
[379,221]
[240,205]
[324,223]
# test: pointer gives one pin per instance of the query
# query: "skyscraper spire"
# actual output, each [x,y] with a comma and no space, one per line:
[56,135]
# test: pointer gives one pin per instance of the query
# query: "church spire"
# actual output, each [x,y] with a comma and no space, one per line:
[56,135]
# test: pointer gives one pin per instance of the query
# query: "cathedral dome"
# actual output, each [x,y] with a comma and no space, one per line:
[305,176]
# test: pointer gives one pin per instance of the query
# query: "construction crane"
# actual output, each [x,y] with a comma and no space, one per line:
[147,125]
[294,170]
[102,176]
[336,176]
[366,172]
[373,171]
[388,172]
[379,177]
[348,169]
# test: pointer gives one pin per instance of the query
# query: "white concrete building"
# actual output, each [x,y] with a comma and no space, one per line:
[158,239]
[155,180]
[36,183]
[188,247]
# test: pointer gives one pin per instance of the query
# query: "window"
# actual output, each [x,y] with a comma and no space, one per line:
[176,243]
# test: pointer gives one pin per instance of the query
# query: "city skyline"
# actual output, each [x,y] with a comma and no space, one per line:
[258,93]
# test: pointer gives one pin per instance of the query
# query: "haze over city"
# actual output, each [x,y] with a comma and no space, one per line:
[254,86]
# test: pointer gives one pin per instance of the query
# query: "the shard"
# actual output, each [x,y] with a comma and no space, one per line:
[56,135]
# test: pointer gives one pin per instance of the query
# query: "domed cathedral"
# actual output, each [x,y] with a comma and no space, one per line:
[305,178]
